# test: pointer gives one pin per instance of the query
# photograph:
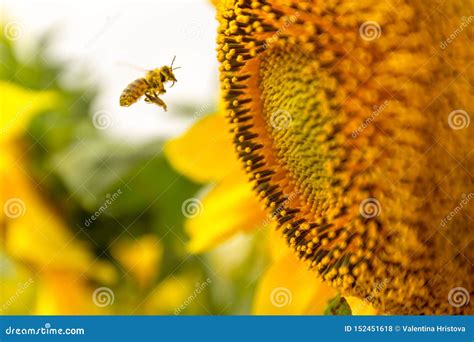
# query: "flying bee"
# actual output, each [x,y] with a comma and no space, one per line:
[151,86]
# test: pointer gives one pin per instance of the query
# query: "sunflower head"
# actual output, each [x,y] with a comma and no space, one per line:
[339,114]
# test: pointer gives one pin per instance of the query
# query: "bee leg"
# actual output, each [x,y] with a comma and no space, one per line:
[161,103]
[151,95]
[152,98]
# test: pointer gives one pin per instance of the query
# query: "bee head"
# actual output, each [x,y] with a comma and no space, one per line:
[167,72]
[168,75]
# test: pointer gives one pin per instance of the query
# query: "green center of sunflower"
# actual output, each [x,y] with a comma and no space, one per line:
[302,123]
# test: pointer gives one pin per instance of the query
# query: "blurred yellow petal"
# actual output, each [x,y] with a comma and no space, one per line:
[18,106]
[170,296]
[205,152]
[102,271]
[289,288]
[11,178]
[228,208]
[141,258]
[35,233]
[64,293]
[277,245]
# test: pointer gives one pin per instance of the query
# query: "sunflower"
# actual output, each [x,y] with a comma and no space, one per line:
[205,155]
[351,120]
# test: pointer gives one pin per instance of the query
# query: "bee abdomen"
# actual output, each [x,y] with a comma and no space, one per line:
[133,92]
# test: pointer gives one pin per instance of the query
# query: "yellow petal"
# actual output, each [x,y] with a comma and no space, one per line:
[277,245]
[34,232]
[228,208]
[140,258]
[39,237]
[62,293]
[171,296]
[18,105]
[289,288]
[360,307]
[205,152]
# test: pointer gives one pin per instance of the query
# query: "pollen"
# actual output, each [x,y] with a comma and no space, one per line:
[342,128]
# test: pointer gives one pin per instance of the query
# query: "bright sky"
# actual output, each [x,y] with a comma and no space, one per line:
[107,35]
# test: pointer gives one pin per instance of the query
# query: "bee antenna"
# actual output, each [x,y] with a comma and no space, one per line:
[176,68]
[172,62]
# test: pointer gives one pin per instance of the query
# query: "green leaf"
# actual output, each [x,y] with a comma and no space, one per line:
[338,306]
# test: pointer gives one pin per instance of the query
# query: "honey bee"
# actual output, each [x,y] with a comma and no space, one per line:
[152,86]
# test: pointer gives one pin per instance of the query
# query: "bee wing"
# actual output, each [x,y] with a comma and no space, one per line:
[131,66]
